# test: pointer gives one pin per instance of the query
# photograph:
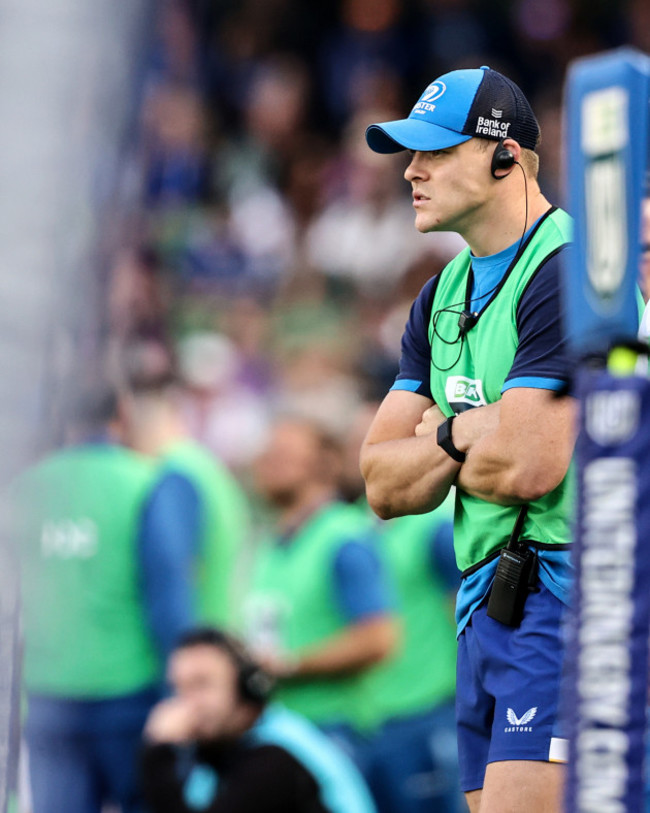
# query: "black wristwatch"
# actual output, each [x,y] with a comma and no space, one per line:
[445,442]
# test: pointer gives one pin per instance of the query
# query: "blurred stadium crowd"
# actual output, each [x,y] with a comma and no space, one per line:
[267,248]
[266,266]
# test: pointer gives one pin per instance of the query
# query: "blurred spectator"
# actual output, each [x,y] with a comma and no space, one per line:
[414,764]
[176,57]
[224,413]
[371,36]
[315,379]
[454,30]
[87,530]
[364,235]
[318,613]
[213,526]
[175,146]
[218,746]
[137,299]
[275,109]
[247,324]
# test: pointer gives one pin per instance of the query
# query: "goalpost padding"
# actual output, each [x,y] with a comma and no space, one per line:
[605,686]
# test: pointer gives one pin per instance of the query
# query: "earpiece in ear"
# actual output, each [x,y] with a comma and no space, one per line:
[502,158]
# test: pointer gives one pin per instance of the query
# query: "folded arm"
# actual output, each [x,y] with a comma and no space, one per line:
[518,449]
[525,454]
[405,473]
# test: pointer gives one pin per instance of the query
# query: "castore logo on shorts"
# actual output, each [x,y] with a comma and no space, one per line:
[520,724]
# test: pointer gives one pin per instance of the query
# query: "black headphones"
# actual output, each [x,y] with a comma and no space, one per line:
[253,683]
[502,158]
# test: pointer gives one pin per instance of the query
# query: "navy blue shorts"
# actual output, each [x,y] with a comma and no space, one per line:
[508,689]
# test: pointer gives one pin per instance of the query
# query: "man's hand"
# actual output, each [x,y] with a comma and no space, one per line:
[472,425]
[171,721]
[405,470]
[431,420]
[468,428]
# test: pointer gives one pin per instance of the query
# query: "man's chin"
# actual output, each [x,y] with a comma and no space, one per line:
[424,225]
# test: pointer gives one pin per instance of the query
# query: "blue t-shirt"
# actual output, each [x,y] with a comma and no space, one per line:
[170,534]
[360,581]
[540,362]
[442,559]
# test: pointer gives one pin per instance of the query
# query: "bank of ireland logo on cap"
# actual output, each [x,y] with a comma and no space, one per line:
[460,105]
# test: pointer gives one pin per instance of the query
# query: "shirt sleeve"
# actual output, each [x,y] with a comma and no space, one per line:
[415,361]
[169,545]
[361,582]
[541,359]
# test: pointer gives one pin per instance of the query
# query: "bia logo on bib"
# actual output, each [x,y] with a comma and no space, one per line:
[464,393]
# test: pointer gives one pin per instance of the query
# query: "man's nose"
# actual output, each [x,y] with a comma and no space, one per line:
[414,171]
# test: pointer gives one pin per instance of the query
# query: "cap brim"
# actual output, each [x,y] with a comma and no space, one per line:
[411,134]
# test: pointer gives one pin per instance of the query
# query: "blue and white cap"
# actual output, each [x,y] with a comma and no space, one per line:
[473,103]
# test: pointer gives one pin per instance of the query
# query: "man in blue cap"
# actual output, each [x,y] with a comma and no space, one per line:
[475,404]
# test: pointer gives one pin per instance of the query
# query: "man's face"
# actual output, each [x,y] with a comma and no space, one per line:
[449,186]
[205,678]
[289,461]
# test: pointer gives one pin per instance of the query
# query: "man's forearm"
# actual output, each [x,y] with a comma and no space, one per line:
[514,461]
[489,475]
[407,476]
[358,647]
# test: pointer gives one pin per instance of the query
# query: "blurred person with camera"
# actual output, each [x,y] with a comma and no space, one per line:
[102,602]
[475,404]
[218,745]
[319,609]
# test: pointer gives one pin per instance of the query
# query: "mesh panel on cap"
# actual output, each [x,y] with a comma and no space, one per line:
[500,110]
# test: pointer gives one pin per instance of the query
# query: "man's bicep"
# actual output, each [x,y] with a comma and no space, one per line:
[538,425]
[398,415]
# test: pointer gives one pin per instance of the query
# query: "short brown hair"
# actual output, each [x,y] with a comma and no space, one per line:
[530,163]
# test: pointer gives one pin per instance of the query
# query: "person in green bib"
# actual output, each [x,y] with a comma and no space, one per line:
[216,515]
[414,762]
[93,538]
[476,405]
[318,612]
